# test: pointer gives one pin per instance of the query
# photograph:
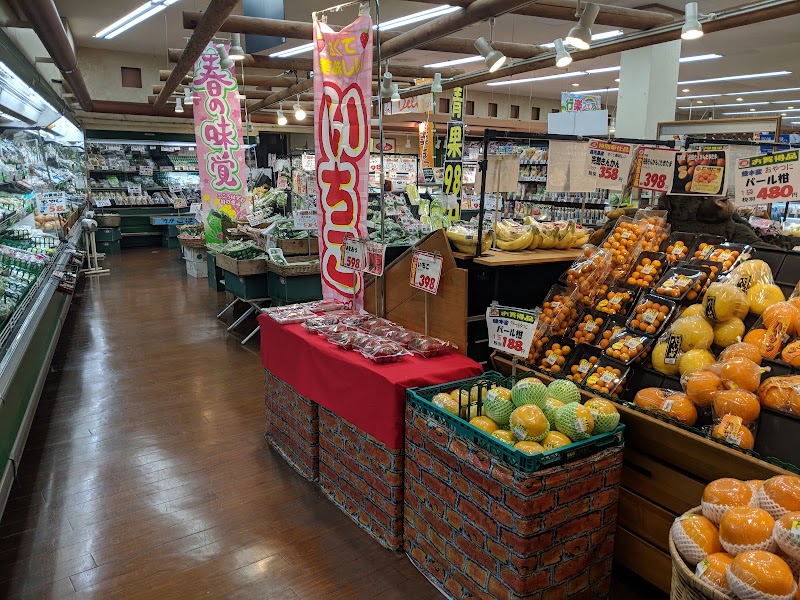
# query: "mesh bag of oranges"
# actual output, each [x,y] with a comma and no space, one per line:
[588,272]
[624,242]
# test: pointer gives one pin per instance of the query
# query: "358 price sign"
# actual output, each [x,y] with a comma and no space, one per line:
[654,169]
[353,254]
[511,330]
[768,178]
[426,271]
[609,162]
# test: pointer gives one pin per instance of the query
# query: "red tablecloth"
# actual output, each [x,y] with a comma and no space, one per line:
[370,396]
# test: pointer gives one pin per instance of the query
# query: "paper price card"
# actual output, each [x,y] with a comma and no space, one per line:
[283,181]
[375,253]
[426,271]
[179,203]
[102,203]
[609,163]
[353,254]
[654,169]
[305,219]
[134,189]
[145,171]
[768,178]
[196,208]
[701,172]
[175,188]
[256,218]
[511,330]
[52,202]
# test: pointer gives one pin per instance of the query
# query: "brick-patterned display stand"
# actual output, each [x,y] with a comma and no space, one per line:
[477,527]
[363,477]
[292,426]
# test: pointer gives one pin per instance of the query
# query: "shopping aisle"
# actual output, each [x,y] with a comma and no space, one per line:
[146,473]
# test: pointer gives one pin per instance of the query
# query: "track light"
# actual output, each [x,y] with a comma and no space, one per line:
[250,127]
[580,35]
[395,93]
[282,120]
[236,52]
[224,60]
[562,56]
[178,105]
[436,86]
[299,113]
[494,59]
[187,96]
[691,27]
[386,85]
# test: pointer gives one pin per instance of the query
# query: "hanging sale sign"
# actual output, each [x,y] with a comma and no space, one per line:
[700,172]
[654,169]
[511,330]
[426,271]
[426,145]
[415,104]
[609,163]
[454,146]
[220,148]
[342,89]
[768,178]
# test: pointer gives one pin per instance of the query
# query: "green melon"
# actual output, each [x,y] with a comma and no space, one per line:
[564,390]
[550,409]
[575,421]
[528,423]
[498,406]
[529,392]
[604,413]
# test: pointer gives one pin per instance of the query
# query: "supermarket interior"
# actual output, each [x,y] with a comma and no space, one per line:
[493,299]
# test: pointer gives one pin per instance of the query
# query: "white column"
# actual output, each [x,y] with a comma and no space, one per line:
[648,86]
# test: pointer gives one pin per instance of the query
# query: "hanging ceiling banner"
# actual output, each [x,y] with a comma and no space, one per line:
[342,94]
[426,145]
[220,147]
[415,104]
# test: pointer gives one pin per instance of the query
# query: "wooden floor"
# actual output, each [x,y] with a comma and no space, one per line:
[146,473]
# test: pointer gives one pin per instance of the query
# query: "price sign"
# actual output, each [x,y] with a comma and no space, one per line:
[426,271]
[428,175]
[52,202]
[102,203]
[175,188]
[195,208]
[179,203]
[353,254]
[609,163]
[256,218]
[168,168]
[654,169]
[134,189]
[308,162]
[768,178]
[305,220]
[511,330]
[453,178]
[147,171]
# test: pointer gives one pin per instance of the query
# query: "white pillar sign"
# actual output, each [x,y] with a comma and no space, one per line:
[511,330]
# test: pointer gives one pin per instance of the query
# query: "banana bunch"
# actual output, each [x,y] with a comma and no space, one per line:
[511,236]
[536,233]
[561,234]
[465,239]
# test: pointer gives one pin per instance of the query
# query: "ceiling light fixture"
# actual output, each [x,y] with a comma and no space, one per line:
[395,93]
[494,59]
[225,61]
[691,27]
[187,96]
[282,120]
[576,84]
[597,37]
[699,96]
[740,99]
[436,86]
[563,58]
[386,84]
[455,61]
[763,112]
[775,91]
[790,107]
[292,51]
[602,70]
[530,79]
[727,105]
[699,57]
[236,51]
[785,101]
[299,113]
[685,90]
[752,110]
[600,90]
[178,105]
[738,77]
[699,101]
[580,35]
[133,18]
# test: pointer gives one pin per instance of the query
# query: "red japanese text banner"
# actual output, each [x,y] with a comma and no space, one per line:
[220,147]
[342,101]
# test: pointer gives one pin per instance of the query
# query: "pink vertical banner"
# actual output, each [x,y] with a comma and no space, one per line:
[342,112]
[220,146]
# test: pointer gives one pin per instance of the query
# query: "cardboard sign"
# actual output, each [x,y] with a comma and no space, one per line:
[426,271]
[768,178]
[511,330]
[609,163]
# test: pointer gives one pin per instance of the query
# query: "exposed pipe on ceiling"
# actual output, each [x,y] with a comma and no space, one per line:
[213,17]
[43,16]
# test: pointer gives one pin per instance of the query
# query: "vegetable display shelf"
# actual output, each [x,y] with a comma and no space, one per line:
[138,228]
[29,340]
[664,471]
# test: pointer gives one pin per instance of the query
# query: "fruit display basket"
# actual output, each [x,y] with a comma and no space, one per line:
[685,584]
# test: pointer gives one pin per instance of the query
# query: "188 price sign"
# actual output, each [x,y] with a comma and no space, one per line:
[511,330]
[426,271]
[353,254]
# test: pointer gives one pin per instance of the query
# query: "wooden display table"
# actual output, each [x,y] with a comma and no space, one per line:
[664,472]
[500,258]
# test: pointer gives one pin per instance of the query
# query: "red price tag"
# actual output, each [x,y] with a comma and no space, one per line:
[608,173]
[775,192]
[654,180]
[426,270]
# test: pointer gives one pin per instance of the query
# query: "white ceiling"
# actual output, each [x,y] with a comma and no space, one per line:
[771,46]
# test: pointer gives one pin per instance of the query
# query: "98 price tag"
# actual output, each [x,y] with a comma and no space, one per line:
[511,330]
[452,178]
[426,271]
[353,254]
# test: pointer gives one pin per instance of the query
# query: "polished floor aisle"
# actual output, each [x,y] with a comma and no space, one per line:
[146,473]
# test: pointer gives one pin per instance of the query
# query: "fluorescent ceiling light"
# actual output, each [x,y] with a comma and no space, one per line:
[600,91]
[729,105]
[794,89]
[603,70]
[786,102]
[455,61]
[699,57]
[699,96]
[431,13]
[133,18]
[737,77]
[494,59]
[763,112]
[597,37]
[530,79]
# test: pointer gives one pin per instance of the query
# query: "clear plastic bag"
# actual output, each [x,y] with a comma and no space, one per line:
[781,393]
[384,352]
[314,324]
[588,271]
[626,346]
[427,346]
[672,404]
[723,301]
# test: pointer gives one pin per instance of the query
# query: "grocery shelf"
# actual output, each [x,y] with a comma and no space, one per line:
[125,189]
[135,171]
[12,220]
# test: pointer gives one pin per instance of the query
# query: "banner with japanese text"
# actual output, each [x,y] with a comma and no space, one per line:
[220,146]
[453,177]
[572,102]
[342,101]
[414,104]
[769,178]
[426,145]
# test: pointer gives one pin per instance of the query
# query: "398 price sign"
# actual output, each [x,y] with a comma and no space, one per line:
[426,271]
[654,169]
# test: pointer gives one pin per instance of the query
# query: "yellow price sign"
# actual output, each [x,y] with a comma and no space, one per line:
[452,178]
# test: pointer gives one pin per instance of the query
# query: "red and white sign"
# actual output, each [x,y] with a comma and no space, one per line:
[768,178]
[353,254]
[609,163]
[654,169]
[426,271]
[342,90]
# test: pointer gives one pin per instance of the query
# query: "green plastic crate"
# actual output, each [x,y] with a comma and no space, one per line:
[420,399]
[110,247]
[108,234]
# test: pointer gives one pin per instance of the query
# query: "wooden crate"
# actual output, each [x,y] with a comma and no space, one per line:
[253,266]
[298,247]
